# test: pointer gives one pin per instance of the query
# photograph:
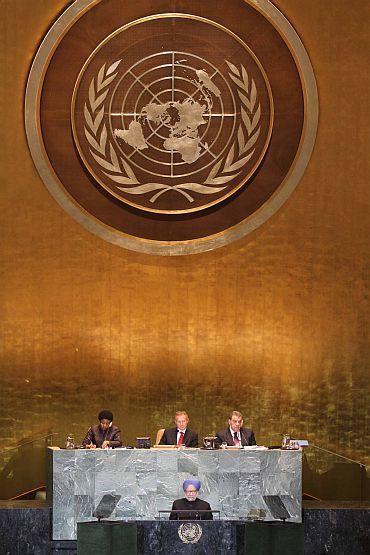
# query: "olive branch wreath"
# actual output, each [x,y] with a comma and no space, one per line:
[119,171]
[190,532]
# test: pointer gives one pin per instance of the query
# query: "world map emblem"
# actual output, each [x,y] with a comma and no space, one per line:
[190,532]
[172,131]
[168,132]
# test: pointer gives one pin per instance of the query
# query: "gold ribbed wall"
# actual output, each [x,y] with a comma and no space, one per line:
[274,325]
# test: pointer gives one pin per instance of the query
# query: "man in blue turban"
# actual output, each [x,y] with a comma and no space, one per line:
[191,507]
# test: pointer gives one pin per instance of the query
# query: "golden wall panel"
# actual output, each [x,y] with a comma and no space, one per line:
[275,324]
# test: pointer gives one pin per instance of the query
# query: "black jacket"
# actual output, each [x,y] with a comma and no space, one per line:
[247,437]
[191,508]
[170,435]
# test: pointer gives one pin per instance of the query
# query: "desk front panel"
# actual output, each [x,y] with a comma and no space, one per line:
[240,484]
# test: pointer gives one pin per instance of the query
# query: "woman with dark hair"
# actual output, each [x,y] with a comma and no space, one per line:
[191,507]
[104,434]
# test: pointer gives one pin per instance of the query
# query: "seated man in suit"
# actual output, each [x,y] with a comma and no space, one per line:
[235,435]
[104,434]
[180,435]
[194,508]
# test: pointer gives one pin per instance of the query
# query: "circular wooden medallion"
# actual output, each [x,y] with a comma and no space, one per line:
[171,133]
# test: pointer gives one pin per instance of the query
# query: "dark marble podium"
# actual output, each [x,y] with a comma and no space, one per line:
[185,537]
[208,537]
[150,537]
[332,528]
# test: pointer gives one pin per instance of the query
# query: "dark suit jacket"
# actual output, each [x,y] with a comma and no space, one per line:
[191,508]
[247,437]
[170,435]
[96,436]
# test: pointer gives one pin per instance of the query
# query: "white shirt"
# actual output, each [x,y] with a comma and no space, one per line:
[178,435]
[232,435]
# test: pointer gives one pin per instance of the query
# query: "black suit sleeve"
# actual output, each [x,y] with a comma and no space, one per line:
[208,516]
[252,439]
[163,439]
[248,437]
[169,437]
[219,438]
[193,440]
[174,515]
[224,436]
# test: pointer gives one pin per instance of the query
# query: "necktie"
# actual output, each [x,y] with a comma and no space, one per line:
[181,438]
[236,440]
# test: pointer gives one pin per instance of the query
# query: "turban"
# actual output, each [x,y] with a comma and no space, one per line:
[105,415]
[191,482]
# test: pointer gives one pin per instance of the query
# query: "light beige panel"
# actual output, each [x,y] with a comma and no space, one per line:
[275,324]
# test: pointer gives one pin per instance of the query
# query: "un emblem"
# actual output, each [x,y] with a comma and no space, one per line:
[190,532]
[168,132]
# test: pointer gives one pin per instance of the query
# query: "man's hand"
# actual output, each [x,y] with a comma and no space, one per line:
[105,444]
[90,446]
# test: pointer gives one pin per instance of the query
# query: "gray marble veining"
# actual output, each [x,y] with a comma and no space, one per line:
[238,483]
